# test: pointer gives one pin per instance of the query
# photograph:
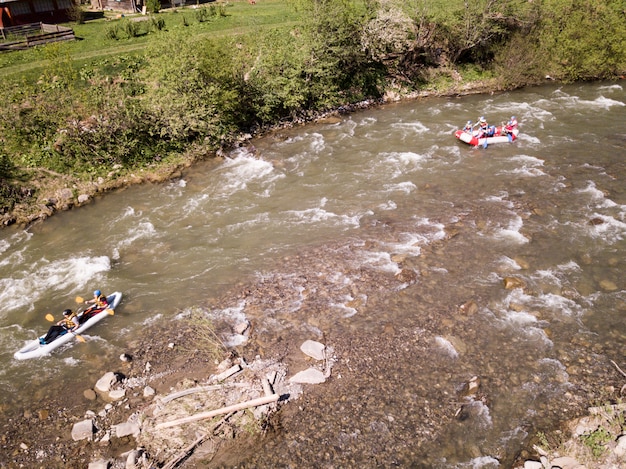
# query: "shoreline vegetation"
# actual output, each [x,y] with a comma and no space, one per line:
[139,98]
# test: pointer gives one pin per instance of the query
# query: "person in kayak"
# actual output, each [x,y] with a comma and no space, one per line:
[69,323]
[98,303]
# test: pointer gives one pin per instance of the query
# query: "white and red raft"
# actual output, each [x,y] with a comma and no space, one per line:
[498,137]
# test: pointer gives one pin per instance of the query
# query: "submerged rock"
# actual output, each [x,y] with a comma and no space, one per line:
[511,283]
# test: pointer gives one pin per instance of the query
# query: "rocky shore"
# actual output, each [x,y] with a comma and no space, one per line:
[53,192]
[168,404]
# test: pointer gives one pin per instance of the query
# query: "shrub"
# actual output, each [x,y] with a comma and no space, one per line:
[130,28]
[202,14]
[156,24]
[153,6]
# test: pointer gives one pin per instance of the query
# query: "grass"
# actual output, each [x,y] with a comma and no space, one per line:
[93,44]
[204,337]
[590,448]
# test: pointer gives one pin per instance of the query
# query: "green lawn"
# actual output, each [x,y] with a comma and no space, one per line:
[92,42]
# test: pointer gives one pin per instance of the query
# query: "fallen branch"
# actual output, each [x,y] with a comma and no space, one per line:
[618,368]
[186,392]
[186,452]
[224,410]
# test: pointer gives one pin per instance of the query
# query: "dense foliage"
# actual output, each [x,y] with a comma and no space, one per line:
[187,90]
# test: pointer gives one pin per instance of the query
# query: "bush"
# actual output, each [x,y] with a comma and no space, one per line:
[156,24]
[204,14]
[153,6]
[76,13]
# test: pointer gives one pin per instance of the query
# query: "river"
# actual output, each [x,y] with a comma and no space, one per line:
[380,225]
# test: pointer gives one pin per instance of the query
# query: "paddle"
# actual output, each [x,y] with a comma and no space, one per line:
[50,317]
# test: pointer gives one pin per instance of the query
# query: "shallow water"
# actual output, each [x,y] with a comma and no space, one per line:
[331,213]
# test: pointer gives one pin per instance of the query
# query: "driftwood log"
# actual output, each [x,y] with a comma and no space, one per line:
[214,387]
[224,410]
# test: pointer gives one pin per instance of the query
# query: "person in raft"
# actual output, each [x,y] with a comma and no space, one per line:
[469,128]
[69,323]
[484,129]
[98,303]
[510,125]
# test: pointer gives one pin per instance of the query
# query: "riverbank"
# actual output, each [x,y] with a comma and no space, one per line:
[159,364]
[53,192]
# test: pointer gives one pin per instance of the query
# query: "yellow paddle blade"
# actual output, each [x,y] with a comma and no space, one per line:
[80,338]
[79,299]
[49,317]
[110,311]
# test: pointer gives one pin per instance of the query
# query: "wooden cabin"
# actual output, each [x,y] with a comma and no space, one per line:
[18,12]
[130,6]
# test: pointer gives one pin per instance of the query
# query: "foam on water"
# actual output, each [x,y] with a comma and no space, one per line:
[500,198]
[574,102]
[234,314]
[550,304]
[26,287]
[238,173]
[529,167]
[482,462]
[512,232]
[14,247]
[195,203]
[610,230]
[399,163]
[614,87]
[259,219]
[412,127]
[377,260]
[506,263]
[596,195]
[389,205]
[318,215]
[154,319]
[555,278]
[404,187]
[71,361]
[143,230]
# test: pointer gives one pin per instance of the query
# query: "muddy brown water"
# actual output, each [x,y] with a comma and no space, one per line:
[368,235]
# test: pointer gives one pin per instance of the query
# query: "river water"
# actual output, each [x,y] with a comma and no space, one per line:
[375,230]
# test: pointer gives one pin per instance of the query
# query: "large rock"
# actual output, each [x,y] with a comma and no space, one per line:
[126,429]
[313,349]
[83,430]
[99,464]
[310,376]
[105,383]
[566,462]
[533,465]
[117,395]
[620,448]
